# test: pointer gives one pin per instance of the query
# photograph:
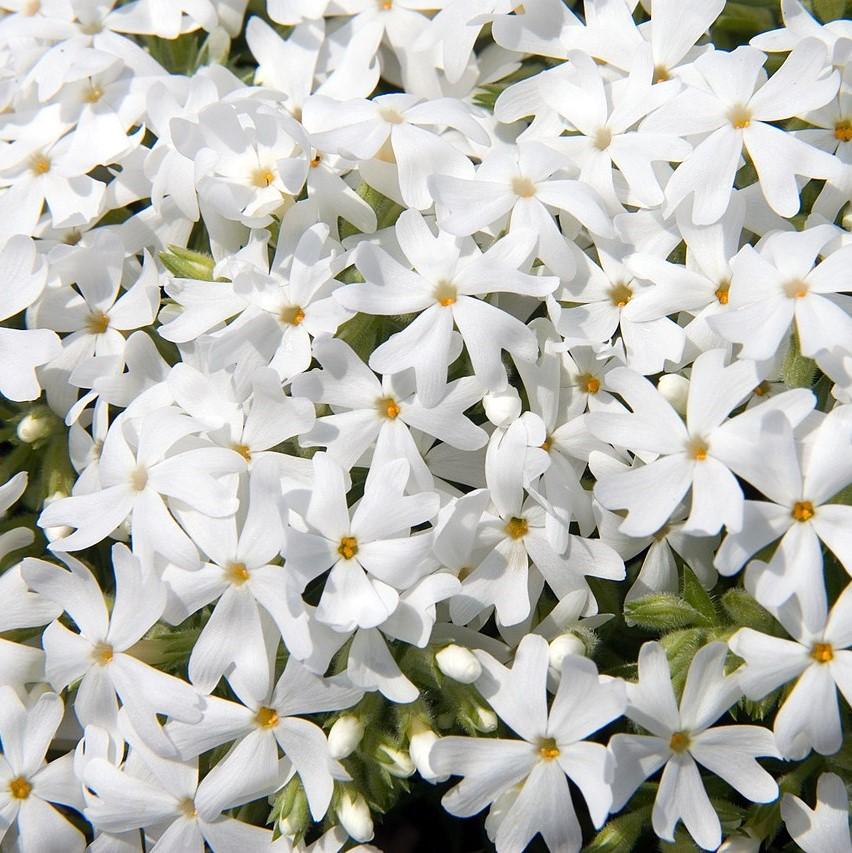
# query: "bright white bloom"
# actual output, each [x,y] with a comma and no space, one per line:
[824,828]
[818,658]
[28,785]
[552,745]
[99,654]
[681,736]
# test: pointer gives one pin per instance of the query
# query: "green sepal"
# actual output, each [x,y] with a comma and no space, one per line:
[798,370]
[185,263]
[621,834]
[743,610]
[664,611]
[695,595]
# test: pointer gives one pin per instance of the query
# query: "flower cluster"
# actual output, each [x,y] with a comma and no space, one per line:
[398,390]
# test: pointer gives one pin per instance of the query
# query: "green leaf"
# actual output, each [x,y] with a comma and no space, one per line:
[695,594]
[681,647]
[664,611]
[743,610]
[184,263]
[621,833]
[830,10]
[798,370]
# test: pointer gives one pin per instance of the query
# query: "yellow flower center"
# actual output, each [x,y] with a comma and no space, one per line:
[843,130]
[97,323]
[187,807]
[698,449]
[93,94]
[803,510]
[390,115]
[388,408]
[348,547]
[243,449]
[517,528]
[266,718]
[20,788]
[547,444]
[315,160]
[679,742]
[740,117]
[602,138]
[139,479]
[39,164]
[237,573]
[822,652]
[661,74]
[102,654]
[761,390]
[796,289]
[262,177]
[292,315]
[722,292]
[588,383]
[445,293]
[523,187]
[548,749]
[620,294]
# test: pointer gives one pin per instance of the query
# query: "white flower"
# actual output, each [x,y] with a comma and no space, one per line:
[552,746]
[682,736]
[825,828]
[28,785]
[818,658]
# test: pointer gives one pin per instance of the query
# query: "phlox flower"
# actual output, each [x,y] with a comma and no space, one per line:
[824,828]
[525,779]
[682,738]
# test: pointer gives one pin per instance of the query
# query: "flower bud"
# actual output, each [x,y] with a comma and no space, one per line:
[564,645]
[486,720]
[458,663]
[354,816]
[396,761]
[33,428]
[54,533]
[419,746]
[675,388]
[345,735]
[502,407]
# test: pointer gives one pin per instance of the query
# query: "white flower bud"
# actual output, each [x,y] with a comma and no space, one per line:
[458,663]
[54,533]
[396,761]
[675,388]
[486,720]
[502,407]
[419,746]
[32,428]
[345,735]
[564,645]
[354,816]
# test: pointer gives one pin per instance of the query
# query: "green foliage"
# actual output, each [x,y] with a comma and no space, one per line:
[186,263]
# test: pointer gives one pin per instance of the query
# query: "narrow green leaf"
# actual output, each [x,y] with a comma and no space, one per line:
[185,263]
[743,610]
[663,611]
[695,594]
[621,833]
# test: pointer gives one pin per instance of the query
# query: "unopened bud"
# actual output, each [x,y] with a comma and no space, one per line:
[354,816]
[396,761]
[345,735]
[564,645]
[419,746]
[458,663]
[502,407]
[54,533]
[675,388]
[33,428]
[486,720]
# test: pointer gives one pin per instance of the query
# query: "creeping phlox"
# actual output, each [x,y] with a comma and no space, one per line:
[412,393]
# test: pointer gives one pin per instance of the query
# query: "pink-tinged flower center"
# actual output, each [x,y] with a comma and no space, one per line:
[803,510]
[679,742]
[822,652]
[517,528]
[348,547]
[20,788]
